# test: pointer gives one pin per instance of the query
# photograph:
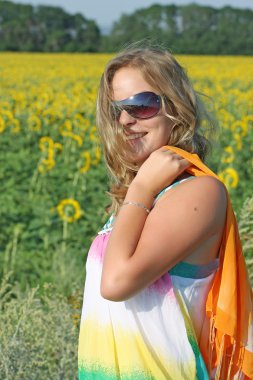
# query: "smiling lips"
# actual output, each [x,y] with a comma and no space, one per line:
[136,136]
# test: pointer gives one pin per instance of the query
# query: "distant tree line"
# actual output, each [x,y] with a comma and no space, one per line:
[189,29]
[45,28]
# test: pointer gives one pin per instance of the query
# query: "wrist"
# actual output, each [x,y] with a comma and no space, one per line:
[137,192]
[137,204]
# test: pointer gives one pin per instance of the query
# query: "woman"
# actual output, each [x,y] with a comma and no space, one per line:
[154,302]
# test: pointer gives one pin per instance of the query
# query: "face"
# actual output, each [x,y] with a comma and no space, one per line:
[144,135]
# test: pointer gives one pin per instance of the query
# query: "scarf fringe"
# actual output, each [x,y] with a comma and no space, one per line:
[218,374]
[224,360]
[231,362]
[212,334]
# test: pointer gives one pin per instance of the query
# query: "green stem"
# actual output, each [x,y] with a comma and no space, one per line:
[64,236]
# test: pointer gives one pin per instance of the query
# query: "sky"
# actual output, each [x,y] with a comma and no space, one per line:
[105,12]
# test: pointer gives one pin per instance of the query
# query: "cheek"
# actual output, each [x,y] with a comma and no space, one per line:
[160,135]
[166,128]
[159,123]
[165,134]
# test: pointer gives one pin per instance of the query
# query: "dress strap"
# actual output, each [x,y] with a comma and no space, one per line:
[170,187]
[108,226]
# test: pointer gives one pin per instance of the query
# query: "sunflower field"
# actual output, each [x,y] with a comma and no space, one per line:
[53,192]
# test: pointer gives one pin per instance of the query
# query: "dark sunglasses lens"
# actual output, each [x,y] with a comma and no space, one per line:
[141,106]
[147,104]
[143,112]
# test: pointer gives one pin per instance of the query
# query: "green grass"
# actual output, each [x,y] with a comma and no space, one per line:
[38,334]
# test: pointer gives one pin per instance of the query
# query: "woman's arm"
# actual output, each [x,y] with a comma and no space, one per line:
[143,247]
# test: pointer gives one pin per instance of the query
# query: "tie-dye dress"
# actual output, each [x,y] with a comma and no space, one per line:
[152,335]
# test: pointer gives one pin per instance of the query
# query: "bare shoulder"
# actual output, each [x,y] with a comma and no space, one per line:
[209,187]
[211,191]
[202,197]
[206,186]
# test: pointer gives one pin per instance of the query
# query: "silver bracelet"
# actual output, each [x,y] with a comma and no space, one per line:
[136,204]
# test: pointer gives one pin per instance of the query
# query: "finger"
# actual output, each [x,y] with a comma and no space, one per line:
[185,162]
[176,156]
[170,153]
[164,149]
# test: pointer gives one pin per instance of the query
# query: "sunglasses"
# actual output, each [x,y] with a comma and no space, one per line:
[140,106]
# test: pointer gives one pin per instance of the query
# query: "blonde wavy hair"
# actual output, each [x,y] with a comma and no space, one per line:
[180,103]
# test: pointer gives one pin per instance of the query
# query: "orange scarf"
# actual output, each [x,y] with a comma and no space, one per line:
[229,305]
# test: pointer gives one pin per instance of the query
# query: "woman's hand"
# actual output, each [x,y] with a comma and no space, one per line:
[160,169]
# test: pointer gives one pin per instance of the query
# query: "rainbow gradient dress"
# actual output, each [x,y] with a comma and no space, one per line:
[152,335]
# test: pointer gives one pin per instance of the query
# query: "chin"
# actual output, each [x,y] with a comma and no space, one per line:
[140,159]
[141,153]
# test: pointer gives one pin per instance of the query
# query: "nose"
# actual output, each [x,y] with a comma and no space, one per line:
[126,119]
